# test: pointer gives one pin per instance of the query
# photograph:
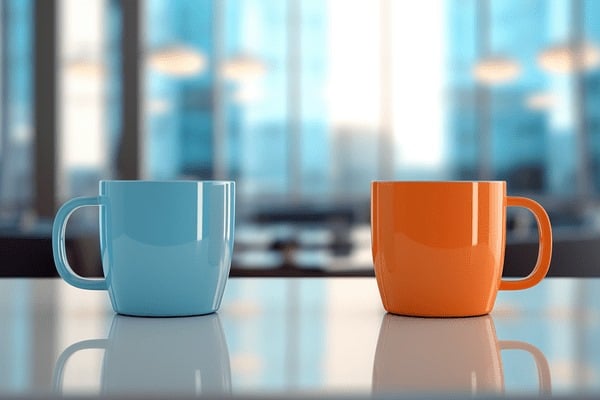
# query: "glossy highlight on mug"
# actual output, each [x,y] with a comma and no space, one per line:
[438,247]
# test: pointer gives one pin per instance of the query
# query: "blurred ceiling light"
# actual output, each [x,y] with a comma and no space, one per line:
[177,60]
[540,101]
[159,106]
[496,70]
[243,67]
[22,133]
[248,93]
[85,68]
[563,59]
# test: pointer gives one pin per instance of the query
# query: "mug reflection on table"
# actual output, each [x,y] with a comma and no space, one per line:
[445,355]
[176,356]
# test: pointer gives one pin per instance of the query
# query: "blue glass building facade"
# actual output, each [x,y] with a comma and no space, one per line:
[16,103]
[273,132]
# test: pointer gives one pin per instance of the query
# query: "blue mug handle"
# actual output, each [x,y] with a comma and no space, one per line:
[59,368]
[58,245]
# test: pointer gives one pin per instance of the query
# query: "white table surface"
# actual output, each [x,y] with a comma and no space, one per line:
[318,337]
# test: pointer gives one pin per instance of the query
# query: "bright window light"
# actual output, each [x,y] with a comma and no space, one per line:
[419,83]
[82,144]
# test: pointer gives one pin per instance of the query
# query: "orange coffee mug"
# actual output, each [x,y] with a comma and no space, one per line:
[438,247]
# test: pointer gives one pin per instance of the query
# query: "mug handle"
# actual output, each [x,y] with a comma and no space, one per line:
[543,369]
[545,245]
[59,368]
[58,245]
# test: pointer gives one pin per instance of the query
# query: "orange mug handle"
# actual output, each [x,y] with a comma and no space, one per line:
[545,249]
[543,369]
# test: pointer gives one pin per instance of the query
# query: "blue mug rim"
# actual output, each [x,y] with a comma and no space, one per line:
[133,181]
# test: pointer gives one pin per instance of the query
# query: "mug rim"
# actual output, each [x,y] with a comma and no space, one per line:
[146,181]
[436,182]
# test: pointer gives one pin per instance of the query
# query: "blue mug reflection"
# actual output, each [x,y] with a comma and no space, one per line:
[183,356]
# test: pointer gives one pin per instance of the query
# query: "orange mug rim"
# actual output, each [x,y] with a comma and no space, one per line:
[379,182]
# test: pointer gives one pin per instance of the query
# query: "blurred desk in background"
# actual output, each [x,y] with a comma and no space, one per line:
[298,240]
[283,249]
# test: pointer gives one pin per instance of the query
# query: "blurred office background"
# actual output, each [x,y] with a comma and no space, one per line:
[303,103]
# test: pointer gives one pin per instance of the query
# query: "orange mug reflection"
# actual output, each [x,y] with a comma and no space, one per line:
[458,355]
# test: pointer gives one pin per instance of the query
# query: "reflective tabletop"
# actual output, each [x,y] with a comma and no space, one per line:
[317,337]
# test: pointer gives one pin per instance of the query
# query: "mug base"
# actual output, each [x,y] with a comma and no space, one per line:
[165,315]
[439,314]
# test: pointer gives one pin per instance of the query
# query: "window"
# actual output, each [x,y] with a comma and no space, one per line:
[303,103]
[16,120]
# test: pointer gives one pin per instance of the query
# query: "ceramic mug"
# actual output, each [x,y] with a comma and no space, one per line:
[166,246]
[446,355]
[173,356]
[438,247]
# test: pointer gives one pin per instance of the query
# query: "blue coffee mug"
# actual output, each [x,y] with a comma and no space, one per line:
[166,246]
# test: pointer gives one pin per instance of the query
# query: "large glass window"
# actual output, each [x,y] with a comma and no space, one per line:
[179,90]
[304,102]
[16,112]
